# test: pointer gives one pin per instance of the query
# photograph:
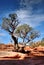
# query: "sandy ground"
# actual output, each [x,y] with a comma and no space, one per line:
[27,61]
[16,58]
[7,57]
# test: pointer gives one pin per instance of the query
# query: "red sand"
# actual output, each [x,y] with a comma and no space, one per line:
[36,57]
[26,61]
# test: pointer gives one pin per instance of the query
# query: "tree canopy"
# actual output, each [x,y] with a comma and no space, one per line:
[27,33]
[9,24]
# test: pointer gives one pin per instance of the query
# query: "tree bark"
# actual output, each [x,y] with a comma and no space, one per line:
[14,39]
[15,42]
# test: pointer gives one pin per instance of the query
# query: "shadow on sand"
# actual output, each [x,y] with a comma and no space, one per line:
[26,61]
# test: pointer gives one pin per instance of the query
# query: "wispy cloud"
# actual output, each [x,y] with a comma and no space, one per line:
[31,12]
[25,16]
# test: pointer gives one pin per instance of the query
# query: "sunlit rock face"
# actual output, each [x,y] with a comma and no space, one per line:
[39,48]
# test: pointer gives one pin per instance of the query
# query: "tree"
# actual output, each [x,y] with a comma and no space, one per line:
[27,33]
[43,39]
[34,34]
[42,42]
[23,30]
[10,24]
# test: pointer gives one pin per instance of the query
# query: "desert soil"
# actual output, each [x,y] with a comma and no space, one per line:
[31,60]
[27,61]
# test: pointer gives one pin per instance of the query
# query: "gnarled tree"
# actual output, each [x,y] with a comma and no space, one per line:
[23,30]
[27,33]
[10,24]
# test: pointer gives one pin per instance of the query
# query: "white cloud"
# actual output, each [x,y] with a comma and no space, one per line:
[25,16]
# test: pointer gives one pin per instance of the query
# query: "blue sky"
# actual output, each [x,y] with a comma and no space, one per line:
[28,11]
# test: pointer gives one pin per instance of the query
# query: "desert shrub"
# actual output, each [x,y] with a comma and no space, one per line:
[37,44]
[42,43]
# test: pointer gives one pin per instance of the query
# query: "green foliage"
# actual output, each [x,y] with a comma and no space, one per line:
[34,34]
[23,30]
[26,28]
[26,32]
[37,44]
[42,40]
[6,23]
[10,24]
[13,16]
[42,44]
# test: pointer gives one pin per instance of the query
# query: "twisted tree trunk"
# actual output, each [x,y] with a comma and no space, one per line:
[15,42]
[14,39]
